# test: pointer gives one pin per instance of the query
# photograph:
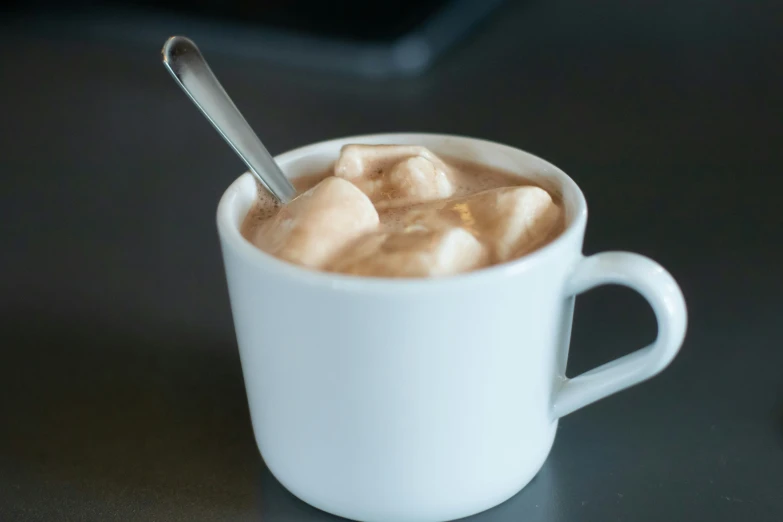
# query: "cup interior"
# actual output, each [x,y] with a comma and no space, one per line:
[315,158]
[311,159]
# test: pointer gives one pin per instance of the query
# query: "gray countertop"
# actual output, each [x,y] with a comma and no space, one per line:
[121,396]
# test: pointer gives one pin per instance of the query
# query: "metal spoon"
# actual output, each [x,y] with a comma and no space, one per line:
[185,63]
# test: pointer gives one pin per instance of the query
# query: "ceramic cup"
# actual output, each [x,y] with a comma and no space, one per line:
[422,400]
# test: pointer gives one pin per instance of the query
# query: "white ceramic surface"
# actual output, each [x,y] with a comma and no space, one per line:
[424,400]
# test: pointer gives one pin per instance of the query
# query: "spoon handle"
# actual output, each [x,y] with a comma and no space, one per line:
[185,63]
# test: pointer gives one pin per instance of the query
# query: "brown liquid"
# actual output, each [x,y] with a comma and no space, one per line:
[467,178]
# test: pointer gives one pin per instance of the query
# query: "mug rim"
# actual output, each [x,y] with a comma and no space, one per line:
[232,238]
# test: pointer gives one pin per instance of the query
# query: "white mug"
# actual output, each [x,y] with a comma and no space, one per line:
[423,400]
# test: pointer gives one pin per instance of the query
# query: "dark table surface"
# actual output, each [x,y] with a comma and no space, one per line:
[121,396]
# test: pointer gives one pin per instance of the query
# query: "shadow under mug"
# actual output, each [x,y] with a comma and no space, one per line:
[423,400]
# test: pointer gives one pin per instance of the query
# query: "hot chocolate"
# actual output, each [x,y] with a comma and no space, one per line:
[401,211]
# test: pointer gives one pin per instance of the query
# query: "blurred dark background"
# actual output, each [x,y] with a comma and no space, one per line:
[350,19]
[351,36]
[121,396]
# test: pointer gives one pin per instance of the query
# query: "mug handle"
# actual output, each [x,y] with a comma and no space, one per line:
[660,290]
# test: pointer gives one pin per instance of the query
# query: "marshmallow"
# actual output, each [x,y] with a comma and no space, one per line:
[510,221]
[317,224]
[417,251]
[394,175]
